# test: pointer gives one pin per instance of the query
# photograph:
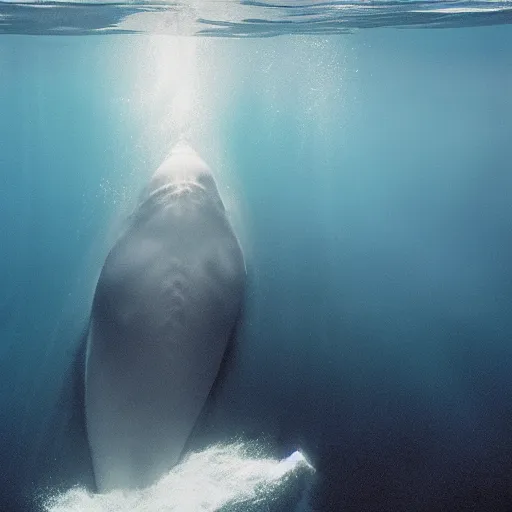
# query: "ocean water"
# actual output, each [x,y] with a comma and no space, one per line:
[364,156]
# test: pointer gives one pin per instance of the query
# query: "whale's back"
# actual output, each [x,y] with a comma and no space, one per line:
[165,305]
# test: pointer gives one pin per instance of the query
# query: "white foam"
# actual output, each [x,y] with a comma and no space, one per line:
[205,482]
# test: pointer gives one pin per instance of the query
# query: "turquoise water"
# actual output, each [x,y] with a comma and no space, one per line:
[368,176]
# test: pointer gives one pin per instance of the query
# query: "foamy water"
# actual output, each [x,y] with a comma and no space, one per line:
[221,478]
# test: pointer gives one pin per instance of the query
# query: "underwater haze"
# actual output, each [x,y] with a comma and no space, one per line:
[364,158]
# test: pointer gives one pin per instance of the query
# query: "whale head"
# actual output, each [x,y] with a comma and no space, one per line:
[182,165]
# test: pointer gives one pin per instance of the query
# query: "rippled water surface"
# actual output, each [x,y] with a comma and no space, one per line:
[230,18]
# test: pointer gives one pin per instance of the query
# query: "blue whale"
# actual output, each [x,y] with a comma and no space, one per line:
[166,304]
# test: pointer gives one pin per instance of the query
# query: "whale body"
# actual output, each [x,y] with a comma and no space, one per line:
[165,306]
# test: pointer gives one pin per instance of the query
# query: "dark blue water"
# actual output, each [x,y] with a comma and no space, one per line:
[369,177]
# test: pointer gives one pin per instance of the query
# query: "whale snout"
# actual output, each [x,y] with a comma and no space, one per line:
[182,165]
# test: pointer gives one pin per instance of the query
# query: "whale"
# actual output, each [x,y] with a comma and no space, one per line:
[165,307]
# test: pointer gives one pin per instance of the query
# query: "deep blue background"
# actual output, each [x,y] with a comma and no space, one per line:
[372,184]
